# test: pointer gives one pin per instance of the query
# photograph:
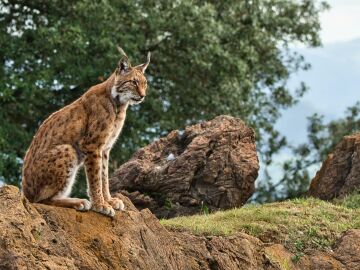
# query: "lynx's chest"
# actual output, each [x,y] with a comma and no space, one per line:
[116,130]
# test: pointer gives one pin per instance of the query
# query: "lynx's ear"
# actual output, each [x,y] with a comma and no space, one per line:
[124,63]
[143,67]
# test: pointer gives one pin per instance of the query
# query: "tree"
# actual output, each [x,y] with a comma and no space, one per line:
[209,58]
[299,170]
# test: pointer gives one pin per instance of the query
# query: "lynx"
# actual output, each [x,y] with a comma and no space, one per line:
[83,133]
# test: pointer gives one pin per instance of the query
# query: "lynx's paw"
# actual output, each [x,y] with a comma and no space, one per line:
[83,205]
[117,204]
[105,209]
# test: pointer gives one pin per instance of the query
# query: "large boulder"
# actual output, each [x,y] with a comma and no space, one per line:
[211,165]
[340,173]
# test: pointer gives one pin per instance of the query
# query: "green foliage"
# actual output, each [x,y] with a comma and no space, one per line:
[299,224]
[299,250]
[204,209]
[168,204]
[299,170]
[297,257]
[209,58]
[351,201]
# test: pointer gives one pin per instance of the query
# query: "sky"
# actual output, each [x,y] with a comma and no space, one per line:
[334,78]
[341,23]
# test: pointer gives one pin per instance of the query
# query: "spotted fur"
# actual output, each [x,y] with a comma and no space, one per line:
[83,133]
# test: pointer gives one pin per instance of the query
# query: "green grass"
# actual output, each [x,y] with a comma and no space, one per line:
[298,224]
[351,201]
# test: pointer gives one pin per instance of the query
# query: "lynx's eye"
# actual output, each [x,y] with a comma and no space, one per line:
[134,82]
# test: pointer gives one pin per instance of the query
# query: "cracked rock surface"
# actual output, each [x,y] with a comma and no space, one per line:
[210,165]
[340,173]
[35,236]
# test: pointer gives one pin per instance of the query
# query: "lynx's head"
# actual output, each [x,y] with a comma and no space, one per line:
[130,83]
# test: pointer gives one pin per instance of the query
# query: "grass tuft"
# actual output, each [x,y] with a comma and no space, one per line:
[298,224]
[351,201]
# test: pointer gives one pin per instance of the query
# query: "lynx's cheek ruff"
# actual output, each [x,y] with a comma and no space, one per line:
[126,96]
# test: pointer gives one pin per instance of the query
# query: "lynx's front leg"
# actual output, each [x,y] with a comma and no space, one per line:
[93,163]
[116,203]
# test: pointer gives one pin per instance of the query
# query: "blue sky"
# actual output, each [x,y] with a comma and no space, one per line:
[334,78]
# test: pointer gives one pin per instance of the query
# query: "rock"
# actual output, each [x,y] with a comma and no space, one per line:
[279,256]
[347,250]
[212,165]
[35,236]
[340,173]
[314,259]
[346,255]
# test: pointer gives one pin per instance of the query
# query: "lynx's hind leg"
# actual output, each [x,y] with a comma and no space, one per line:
[57,176]
[50,173]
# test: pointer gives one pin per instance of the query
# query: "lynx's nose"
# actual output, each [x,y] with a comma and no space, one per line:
[142,95]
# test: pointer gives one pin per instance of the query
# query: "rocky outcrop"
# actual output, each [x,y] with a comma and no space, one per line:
[211,165]
[340,173]
[35,236]
[345,255]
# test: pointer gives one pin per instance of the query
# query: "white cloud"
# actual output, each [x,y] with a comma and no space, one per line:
[341,22]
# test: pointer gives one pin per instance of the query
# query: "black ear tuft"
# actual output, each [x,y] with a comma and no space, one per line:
[123,65]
